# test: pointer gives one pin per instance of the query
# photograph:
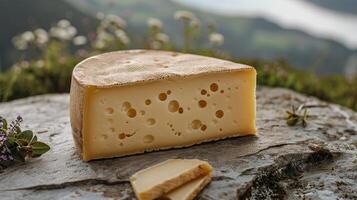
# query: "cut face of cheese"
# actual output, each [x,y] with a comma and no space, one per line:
[160,179]
[189,190]
[158,100]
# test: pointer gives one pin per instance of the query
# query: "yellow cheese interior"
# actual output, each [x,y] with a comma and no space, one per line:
[159,179]
[164,114]
[189,190]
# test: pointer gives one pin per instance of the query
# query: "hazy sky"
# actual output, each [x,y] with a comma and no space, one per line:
[295,14]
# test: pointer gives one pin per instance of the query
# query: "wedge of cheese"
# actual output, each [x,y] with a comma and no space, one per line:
[159,180]
[189,190]
[129,102]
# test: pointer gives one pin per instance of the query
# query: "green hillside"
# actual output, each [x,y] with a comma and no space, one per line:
[245,37]
[17,16]
[47,68]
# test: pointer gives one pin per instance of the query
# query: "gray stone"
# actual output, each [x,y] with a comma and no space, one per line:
[316,162]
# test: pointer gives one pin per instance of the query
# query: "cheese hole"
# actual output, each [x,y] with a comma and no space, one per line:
[173,106]
[222,91]
[208,95]
[162,96]
[172,129]
[214,87]
[171,125]
[151,121]
[126,106]
[220,129]
[121,136]
[112,130]
[168,92]
[188,108]
[203,92]
[109,110]
[147,101]
[203,127]
[229,89]
[236,87]
[180,110]
[142,112]
[219,113]
[202,103]
[196,124]
[148,139]
[131,113]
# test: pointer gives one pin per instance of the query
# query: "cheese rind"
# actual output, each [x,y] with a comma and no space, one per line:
[130,102]
[189,190]
[160,179]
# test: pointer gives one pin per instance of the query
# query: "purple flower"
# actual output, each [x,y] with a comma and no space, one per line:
[5,155]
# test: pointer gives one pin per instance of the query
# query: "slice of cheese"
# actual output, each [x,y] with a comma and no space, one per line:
[129,102]
[160,179]
[189,190]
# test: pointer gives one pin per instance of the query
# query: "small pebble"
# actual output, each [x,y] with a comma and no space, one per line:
[343,138]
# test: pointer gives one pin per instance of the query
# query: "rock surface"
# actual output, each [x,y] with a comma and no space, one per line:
[281,162]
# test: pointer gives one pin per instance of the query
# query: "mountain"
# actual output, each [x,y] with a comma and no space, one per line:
[244,37]
[17,16]
[346,6]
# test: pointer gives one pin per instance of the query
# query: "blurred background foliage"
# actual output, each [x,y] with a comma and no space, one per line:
[43,57]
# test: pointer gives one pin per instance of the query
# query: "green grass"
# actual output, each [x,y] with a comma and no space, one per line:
[55,77]
[49,66]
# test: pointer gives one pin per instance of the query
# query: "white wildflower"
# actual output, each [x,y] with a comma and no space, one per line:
[122,36]
[63,33]
[154,23]
[79,40]
[195,23]
[18,67]
[63,23]
[59,33]
[41,36]
[216,39]
[100,44]
[119,33]
[28,36]
[184,15]
[162,37]
[104,36]
[40,63]
[116,20]
[155,45]
[71,31]
[24,64]
[19,43]
[100,15]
